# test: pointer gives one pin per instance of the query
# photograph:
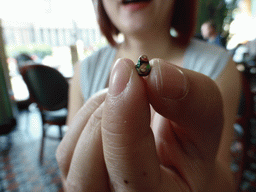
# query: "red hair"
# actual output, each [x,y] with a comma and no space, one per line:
[184,21]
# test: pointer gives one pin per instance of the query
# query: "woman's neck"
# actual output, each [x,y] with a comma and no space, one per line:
[154,45]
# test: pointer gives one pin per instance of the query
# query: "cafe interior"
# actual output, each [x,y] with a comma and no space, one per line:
[33,116]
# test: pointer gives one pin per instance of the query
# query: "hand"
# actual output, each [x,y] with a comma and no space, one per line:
[118,142]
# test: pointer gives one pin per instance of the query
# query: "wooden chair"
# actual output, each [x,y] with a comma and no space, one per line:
[48,88]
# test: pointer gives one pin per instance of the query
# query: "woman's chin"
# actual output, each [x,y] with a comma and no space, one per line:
[135,28]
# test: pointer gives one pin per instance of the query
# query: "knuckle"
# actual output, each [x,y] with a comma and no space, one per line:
[61,160]
[58,153]
[71,186]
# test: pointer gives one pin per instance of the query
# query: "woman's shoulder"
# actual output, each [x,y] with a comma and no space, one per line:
[94,70]
[98,58]
[206,58]
[101,53]
[204,48]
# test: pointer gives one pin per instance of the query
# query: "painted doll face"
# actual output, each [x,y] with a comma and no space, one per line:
[143,67]
[133,16]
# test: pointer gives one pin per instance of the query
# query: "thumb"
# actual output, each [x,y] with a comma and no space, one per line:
[191,101]
[128,142]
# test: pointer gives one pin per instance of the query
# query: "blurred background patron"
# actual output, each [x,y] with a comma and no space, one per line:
[210,34]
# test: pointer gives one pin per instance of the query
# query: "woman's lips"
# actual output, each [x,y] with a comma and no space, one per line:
[135,5]
[133,1]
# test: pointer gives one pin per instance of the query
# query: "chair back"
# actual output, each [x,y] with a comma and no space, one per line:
[47,86]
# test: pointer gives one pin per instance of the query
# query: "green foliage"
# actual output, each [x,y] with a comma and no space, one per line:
[6,108]
[41,50]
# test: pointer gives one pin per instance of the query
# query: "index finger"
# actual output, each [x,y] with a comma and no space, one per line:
[191,100]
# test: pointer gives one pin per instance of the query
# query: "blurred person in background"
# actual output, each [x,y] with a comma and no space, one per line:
[209,33]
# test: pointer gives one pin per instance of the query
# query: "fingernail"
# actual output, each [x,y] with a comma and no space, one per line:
[119,78]
[170,80]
